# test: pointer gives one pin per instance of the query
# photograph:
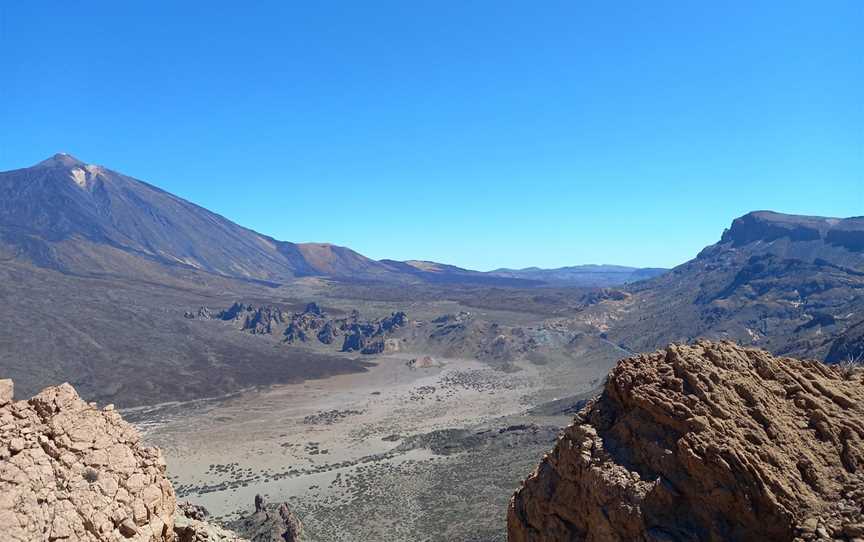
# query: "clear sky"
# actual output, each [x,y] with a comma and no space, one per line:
[478,133]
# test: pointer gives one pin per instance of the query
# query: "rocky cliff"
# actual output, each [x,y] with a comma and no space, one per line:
[705,442]
[70,471]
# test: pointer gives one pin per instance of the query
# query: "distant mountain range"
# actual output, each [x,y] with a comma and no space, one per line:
[583,275]
[84,219]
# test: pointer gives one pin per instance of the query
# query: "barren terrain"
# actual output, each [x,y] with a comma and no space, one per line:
[365,456]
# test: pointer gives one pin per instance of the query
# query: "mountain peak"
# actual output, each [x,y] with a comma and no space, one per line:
[61,159]
[769,226]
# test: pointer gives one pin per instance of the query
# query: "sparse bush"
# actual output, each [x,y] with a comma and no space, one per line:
[852,365]
[91,475]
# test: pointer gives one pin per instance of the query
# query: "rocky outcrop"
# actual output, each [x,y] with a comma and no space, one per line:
[304,326]
[313,324]
[705,442]
[265,524]
[262,320]
[369,337]
[364,336]
[189,529]
[270,523]
[767,226]
[71,471]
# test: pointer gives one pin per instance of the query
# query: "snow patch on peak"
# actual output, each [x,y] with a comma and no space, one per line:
[79,175]
[84,176]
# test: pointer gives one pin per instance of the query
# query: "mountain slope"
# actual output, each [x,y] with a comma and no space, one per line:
[790,284]
[103,334]
[87,219]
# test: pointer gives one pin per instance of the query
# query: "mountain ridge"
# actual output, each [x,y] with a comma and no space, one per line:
[586,274]
[781,282]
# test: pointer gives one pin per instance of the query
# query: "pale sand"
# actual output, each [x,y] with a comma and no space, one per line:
[264,431]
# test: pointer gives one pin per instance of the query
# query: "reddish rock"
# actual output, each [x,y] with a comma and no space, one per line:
[705,442]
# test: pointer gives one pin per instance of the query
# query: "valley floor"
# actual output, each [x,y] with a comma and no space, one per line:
[395,453]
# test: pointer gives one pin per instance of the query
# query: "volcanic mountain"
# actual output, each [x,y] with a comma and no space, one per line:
[87,219]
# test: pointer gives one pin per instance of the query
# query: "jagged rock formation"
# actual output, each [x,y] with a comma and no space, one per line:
[70,471]
[313,324]
[309,325]
[270,523]
[264,320]
[705,442]
[266,524]
[369,337]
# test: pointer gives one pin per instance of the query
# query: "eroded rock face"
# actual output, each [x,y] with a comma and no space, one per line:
[72,472]
[705,442]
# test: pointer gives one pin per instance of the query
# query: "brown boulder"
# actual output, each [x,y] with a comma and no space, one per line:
[705,442]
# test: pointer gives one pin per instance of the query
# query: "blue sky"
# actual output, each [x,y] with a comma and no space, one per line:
[482,134]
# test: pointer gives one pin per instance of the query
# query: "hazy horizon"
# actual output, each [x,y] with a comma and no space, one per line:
[482,136]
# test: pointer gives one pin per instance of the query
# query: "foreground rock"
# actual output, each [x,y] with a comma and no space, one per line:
[72,472]
[705,442]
